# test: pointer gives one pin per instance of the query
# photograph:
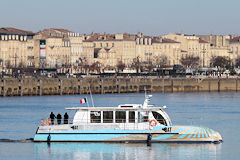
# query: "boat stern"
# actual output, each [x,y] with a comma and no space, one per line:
[197,134]
[190,134]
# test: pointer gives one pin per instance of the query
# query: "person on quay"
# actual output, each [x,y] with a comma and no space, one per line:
[65,118]
[59,118]
[52,117]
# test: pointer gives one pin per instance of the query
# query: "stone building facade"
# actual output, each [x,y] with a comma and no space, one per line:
[64,49]
[17,49]
[234,47]
[111,49]
[216,40]
[205,50]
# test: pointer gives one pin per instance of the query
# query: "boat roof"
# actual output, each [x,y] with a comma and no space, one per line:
[115,108]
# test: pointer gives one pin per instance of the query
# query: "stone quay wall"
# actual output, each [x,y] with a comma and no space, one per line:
[68,86]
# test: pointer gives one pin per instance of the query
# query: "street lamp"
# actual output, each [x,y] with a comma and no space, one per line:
[158,66]
[99,67]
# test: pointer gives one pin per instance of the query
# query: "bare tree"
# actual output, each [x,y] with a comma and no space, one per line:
[221,61]
[120,66]
[95,67]
[20,65]
[147,66]
[85,67]
[161,61]
[136,64]
[237,64]
[8,64]
[190,61]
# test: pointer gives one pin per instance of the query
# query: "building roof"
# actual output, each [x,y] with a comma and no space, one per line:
[10,30]
[100,37]
[61,30]
[162,40]
[235,40]
[55,33]
[109,37]
[202,41]
[183,34]
[166,40]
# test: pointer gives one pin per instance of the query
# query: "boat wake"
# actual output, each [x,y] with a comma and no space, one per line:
[18,140]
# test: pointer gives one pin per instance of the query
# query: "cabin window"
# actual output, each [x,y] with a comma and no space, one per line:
[107,116]
[95,117]
[120,116]
[145,118]
[131,116]
[159,118]
[142,117]
[126,106]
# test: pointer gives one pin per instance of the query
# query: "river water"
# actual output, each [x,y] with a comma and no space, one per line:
[20,116]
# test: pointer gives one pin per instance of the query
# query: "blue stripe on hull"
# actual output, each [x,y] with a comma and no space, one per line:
[206,135]
[105,131]
[199,134]
[193,132]
[209,133]
[77,137]
[197,131]
[183,135]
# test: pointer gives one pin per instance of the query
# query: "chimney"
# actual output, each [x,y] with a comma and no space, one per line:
[119,36]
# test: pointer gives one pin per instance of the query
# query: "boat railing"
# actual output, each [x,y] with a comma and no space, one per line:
[48,121]
[130,124]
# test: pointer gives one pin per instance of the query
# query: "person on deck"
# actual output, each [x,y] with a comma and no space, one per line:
[59,118]
[65,118]
[52,117]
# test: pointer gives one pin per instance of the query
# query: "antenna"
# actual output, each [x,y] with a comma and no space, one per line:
[91,94]
[147,99]
[145,90]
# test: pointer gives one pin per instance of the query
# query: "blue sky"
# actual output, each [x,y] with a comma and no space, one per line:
[153,17]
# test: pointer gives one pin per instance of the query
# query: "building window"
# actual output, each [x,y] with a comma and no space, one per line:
[106,44]
[112,44]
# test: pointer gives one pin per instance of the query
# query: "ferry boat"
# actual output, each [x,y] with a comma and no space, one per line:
[124,123]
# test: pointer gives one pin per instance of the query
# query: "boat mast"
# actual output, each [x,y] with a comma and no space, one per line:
[147,99]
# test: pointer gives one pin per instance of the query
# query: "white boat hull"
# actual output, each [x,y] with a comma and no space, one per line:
[188,134]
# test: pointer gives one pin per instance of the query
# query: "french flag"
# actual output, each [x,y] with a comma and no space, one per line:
[84,100]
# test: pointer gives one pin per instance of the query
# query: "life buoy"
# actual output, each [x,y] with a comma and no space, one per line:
[153,122]
[43,122]
[49,121]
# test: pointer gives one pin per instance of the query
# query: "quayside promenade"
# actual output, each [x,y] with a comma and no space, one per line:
[68,86]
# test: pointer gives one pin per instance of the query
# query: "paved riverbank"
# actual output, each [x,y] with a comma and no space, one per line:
[66,86]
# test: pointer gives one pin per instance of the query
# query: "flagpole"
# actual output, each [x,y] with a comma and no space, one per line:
[90,94]
[87,102]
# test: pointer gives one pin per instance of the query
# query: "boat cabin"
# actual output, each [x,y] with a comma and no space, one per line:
[126,113]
